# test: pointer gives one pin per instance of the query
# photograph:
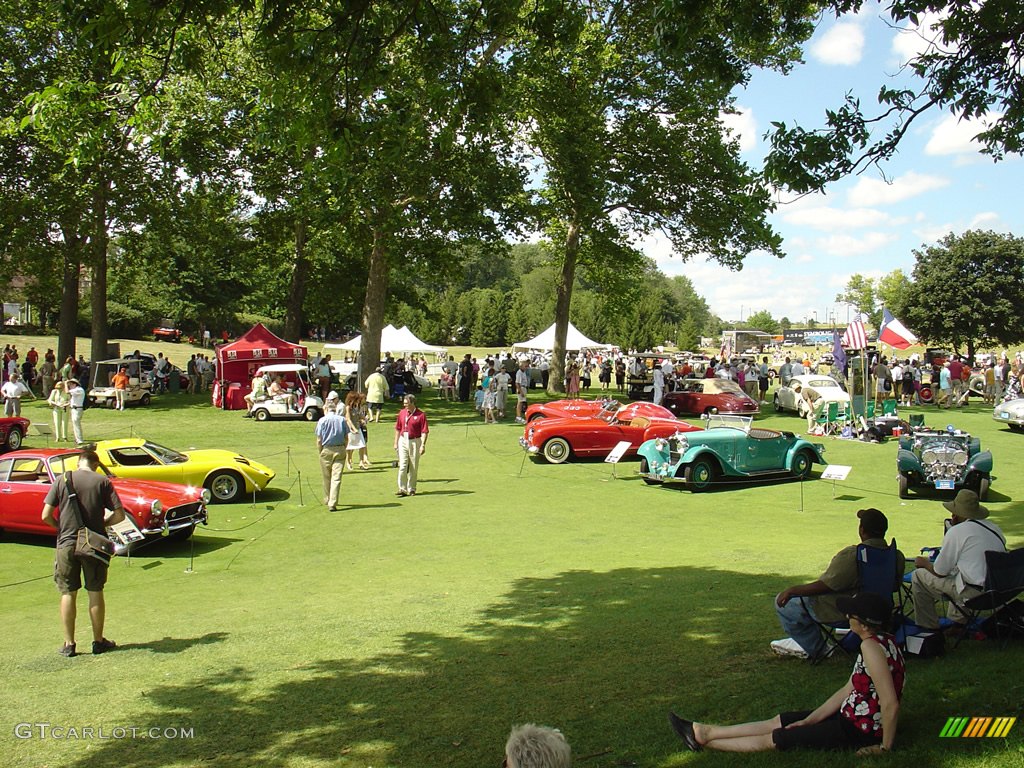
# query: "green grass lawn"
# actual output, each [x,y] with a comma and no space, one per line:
[415,632]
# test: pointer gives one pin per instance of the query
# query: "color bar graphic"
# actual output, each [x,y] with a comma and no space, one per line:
[977,727]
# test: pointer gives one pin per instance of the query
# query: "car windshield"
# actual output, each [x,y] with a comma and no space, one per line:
[819,383]
[608,411]
[721,387]
[166,455]
[721,421]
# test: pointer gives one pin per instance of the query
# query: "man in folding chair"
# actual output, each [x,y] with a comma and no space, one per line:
[959,571]
[802,608]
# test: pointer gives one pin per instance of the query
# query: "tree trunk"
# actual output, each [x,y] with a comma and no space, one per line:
[67,323]
[99,241]
[297,289]
[373,308]
[563,299]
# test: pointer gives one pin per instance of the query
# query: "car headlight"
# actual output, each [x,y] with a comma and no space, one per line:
[206,496]
[156,507]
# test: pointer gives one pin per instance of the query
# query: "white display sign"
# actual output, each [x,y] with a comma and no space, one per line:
[618,452]
[835,472]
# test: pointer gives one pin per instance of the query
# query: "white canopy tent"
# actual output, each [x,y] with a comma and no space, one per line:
[574,341]
[395,340]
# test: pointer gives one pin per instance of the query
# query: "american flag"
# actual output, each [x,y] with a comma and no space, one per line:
[855,337]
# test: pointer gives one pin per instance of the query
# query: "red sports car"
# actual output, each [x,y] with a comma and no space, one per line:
[26,476]
[698,397]
[12,431]
[562,408]
[596,434]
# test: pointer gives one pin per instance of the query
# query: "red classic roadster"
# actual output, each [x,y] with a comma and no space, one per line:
[596,434]
[12,431]
[26,476]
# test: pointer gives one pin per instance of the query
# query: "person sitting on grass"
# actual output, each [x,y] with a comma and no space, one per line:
[861,715]
[534,746]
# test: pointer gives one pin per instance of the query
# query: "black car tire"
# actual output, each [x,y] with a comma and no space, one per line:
[557,450]
[904,487]
[700,475]
[981,487]
[13,441]
[778,405]
[261,414]
[803,463]
[226,486]
[535,416]
[145,399]
[644,469]
[311,414]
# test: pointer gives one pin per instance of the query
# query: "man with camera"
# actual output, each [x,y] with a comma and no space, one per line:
[95,495]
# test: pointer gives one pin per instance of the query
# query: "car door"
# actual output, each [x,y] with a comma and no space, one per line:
[766,450]
[24,482]
[141,463]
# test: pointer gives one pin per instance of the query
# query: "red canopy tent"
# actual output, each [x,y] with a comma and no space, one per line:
[238,361]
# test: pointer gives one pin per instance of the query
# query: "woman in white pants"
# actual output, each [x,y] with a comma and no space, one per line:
[59,402]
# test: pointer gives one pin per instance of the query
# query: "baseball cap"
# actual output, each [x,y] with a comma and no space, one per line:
[873,521]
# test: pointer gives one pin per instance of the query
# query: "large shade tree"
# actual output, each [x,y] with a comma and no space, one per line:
[964,291]
[620,105]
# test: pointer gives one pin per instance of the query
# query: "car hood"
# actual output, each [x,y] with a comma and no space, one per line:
[146,491]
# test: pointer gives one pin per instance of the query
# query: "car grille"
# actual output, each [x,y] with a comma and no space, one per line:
[184,512]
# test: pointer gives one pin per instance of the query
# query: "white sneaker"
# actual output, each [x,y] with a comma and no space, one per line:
[788,647]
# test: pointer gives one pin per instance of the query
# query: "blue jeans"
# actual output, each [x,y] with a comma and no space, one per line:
[797,619]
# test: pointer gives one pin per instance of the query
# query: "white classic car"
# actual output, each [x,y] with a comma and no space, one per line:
[790,396]
[1010,413]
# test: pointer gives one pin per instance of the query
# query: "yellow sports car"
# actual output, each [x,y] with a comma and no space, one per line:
[227,475]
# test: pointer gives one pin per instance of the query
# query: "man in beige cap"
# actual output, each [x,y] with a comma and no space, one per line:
[959,571]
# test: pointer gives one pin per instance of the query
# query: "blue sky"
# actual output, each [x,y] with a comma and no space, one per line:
[938,183]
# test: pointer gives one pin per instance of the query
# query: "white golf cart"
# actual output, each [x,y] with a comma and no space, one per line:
[101,388]
[307,405]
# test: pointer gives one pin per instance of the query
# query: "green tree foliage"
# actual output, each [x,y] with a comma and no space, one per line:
[964,292]
[893,292]
[620,104]
[971,68]
[763,321]
[860,293]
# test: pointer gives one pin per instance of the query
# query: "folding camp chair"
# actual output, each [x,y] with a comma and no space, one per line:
[828,419]
[879,571]
[870,409]
[888,407]
[1004,582]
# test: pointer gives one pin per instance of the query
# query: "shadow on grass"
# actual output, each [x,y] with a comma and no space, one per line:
[174,644]
[603,656]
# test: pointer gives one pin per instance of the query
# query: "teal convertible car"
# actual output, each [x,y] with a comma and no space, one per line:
[730,448]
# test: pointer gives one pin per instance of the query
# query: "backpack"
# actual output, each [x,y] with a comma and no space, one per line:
[908,375]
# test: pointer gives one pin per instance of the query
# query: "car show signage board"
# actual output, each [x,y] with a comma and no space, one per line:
[835,472]
[618,452]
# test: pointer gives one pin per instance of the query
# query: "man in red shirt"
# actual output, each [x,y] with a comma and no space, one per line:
[956,370]
[410,441]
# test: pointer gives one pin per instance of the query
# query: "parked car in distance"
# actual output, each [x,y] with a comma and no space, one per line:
[167,331]
[696,397]
[945,460]
[557,439]
[729,449]
[1010,413]
[789,397]
[12,432]
[154,507]
[227,475]
[561,408]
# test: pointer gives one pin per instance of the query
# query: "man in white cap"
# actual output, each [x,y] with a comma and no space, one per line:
[960,569]
[13,390]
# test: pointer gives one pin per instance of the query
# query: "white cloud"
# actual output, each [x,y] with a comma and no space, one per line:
[985,220]
[842,245]
[828,218]
[911,41]
[841,45]
[867,192]
[954,136]
[742,126]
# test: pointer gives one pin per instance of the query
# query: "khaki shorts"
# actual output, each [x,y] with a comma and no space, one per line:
[68,570]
